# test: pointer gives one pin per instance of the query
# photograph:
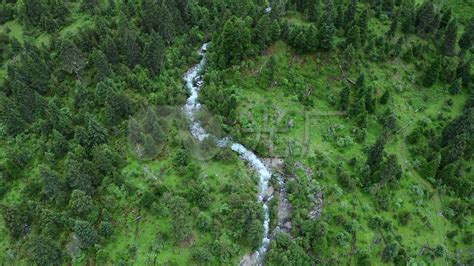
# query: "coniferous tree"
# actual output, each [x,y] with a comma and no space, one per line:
[149,14]
[464,73]
[326,36]
[408,16]
[450,38]
[445,18]
[314,9]
[72,59]
[350,14]
[154,55]
[353,36]
[375,155]
[344,98]
[166,28]
[393,27]
[262,32]
[101,65]
[89,5]
[348,57]
[234,41]
[312,41]
[432,73]
[275,31]
[363,23]
[467,38]
[424,18]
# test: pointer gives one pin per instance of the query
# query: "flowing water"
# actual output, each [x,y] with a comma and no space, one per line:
[193,80]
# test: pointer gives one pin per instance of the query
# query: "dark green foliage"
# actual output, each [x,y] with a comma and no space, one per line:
[80,204]
[389,252]
[86,234]
[154,55]
[376,152]
[450,38]
[285,251]
[344,98]
[42,250]
[234,41]
[179,210]
[385,97]
[6,12]
[467,38]
[71,57]
[432,73]
[262,32]
[18,220]
[326,35]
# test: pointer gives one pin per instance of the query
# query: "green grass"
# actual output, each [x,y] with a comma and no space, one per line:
[15,30]
[80,20]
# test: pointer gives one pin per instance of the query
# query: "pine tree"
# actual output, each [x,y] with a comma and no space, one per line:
[275,30]
[234,41]
[450,38]
[353,36]
[89,5]
[432,73]
[350,14]
[262,32]
[344,98]
[393,27]
[314,9]
[376,152]
[408,16]
[424,18]
[431,167]
[300,42]
[149,15]
[464,73]
[326,36]
[111,50]
[312,41]
[363,23]
[348,57]
[385,97]
[101,65]
[73,60]
[166,28]
[154,55]
[445,18]
[467,38]
[370,101]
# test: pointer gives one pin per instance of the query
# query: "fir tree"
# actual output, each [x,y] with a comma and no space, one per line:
[432,73]
[363,23]
[393,27]
[326,36]
[344,98]
[467,38]
[450,38]
[262,32]
[353,36]
[154,55]
[314,9]
[350,14]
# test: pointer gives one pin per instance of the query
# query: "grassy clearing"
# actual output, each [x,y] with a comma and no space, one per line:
[14,29]
[79,20]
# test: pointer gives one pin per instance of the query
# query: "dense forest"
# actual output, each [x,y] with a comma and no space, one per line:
[367,105]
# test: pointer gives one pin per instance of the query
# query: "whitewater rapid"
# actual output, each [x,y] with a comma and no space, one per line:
[194,83]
